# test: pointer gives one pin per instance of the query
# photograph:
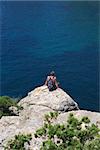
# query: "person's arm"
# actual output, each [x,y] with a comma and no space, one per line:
[56,83]
[46,82]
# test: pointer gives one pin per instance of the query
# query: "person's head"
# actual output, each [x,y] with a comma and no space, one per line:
[52,73]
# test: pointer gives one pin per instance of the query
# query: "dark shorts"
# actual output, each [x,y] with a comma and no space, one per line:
[52,89]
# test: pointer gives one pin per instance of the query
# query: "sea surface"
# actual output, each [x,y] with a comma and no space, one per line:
[37,37]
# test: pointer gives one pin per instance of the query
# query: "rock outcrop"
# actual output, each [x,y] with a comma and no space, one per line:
[57,100]
[39,102]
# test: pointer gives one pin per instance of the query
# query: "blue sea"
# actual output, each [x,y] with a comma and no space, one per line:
[40,36]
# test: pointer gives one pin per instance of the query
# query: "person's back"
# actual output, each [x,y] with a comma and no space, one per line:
[51,82]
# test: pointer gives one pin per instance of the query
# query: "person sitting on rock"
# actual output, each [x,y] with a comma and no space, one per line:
[51,81]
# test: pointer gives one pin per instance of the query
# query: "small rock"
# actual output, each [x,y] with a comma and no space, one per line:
[14,110]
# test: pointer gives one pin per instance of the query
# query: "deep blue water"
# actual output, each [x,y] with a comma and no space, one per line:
[37,37]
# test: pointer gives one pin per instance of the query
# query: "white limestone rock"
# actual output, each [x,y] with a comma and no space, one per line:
[56,100]
[38,103]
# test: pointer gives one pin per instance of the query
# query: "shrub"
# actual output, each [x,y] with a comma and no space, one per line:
[70,136]
[18,143]
[5,103]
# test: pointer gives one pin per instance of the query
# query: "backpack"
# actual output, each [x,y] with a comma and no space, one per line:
[50,84]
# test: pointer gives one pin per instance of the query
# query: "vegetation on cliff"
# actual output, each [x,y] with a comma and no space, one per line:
[18,143]
[5,103]
[75,134]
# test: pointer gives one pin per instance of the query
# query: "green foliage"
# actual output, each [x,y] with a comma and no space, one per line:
[40,132]
[47,125]
[49,145]
[93,145]
[5,103]
[85,120]
[71,136]
[18,142]
[52,115]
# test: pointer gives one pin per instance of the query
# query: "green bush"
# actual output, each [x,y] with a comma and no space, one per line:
[5,103]
[18,142]
[71,136]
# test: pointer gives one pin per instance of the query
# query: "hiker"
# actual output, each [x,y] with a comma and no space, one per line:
[51,81]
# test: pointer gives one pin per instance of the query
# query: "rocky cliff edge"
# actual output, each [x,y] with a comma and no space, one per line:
[39,102]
